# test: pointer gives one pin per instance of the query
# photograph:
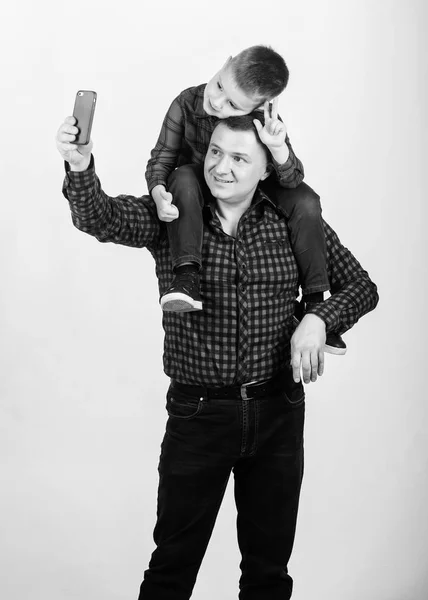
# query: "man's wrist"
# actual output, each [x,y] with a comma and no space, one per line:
[312,316]
[77,183]
[82,166]
[325,312]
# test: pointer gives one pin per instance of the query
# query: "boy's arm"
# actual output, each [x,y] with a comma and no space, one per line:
[290,173]
[287,167]
[124,220]
[165,154]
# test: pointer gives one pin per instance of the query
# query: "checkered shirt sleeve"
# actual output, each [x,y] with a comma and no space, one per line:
[124,220]
[353,292]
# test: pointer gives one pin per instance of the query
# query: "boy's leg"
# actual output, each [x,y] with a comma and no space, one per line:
[267,490]
[194,469]
[302,208]
[187,186]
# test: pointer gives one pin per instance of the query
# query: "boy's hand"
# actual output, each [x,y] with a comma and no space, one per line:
[166,211]
[78,157]
[307,348]
[273,133]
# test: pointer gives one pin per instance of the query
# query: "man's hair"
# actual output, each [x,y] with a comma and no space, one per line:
[246,123]
[260,71]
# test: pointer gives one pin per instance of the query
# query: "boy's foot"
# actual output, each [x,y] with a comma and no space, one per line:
[334,343]
[183,293]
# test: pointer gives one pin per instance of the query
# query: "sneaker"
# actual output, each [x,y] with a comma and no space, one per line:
[334,343]
[183,293]
[298,312]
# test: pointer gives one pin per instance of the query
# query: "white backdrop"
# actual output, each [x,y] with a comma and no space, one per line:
[82,388]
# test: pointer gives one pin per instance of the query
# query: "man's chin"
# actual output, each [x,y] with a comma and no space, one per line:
[218,190]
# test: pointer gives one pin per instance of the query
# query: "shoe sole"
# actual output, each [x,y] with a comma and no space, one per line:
[334,350]
[179,303]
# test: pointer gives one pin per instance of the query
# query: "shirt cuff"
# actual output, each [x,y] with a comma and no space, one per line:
[326,312]
[284,168]
[90,166]
[79,179]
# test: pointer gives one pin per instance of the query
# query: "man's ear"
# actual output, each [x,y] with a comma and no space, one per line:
[268,171]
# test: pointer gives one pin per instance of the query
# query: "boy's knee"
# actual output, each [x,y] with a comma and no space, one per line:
[184,177]
[307,202]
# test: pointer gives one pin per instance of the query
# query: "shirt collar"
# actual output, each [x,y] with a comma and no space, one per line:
[259,198]
[199,111]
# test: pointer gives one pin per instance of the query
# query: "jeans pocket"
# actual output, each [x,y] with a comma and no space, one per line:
[295,400]
[179,406]
[294,393]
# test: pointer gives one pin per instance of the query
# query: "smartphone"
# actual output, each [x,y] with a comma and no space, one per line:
[84,108]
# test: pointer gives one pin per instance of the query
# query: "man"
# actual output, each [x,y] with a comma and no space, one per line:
[235,403]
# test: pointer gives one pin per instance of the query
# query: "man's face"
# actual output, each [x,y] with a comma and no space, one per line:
[234,164]
[223,98]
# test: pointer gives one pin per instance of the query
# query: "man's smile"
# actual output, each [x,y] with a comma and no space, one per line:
[222,180]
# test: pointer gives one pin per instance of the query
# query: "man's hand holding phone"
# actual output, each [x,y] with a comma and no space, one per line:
[78,156]
[73,139]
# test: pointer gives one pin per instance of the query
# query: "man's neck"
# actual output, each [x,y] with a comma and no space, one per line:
[230,214]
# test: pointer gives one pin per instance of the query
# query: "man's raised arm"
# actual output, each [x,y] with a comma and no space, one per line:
[125,219]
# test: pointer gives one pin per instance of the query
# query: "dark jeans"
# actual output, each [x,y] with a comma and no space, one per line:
[261,441]
[301,207]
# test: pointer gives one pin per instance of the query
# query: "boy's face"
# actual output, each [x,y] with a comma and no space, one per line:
[223,98]
[234,164]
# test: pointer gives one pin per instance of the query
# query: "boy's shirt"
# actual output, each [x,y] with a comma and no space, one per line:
[185,137]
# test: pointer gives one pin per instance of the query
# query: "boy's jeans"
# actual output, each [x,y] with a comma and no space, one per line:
[261,441]
[301,207]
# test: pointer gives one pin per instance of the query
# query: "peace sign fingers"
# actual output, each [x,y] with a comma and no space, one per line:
[275,108]
[266,111]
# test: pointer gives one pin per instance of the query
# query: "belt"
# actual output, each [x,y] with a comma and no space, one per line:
[245,391]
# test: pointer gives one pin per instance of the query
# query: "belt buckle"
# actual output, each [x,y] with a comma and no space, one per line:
[243,390]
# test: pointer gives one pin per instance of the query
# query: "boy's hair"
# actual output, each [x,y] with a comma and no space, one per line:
[260,71]
[245,123]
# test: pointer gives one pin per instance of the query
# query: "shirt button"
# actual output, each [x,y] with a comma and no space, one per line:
[243,287]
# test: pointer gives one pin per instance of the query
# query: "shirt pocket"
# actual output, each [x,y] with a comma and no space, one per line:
[272,261]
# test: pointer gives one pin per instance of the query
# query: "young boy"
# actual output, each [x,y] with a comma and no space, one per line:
[254,77]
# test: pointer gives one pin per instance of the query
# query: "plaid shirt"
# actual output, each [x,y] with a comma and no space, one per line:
[248,284]
[185,137]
